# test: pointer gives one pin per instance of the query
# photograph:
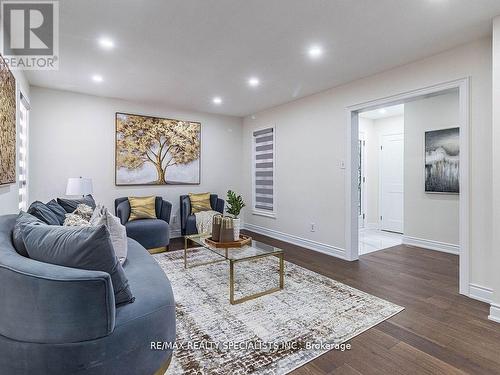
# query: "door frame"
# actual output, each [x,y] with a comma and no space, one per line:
[362,138]
[352,131]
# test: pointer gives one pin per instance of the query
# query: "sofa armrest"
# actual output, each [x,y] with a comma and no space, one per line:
[46,303]
[166,209]
[123,211]
[219,207]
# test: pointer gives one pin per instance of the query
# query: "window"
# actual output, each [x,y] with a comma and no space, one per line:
[24,108]
[263,178]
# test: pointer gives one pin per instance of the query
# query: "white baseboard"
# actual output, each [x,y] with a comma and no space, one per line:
[432,245]
[494,313]
[299,241]
[484,294]
[480,293]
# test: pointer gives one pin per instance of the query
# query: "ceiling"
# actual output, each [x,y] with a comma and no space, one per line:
[377,114]
[183,53]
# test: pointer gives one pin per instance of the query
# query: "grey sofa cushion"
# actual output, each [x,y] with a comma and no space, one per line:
[86,248]
[44,213]
[57,209]
[71,204]
[22,220]
[150,233]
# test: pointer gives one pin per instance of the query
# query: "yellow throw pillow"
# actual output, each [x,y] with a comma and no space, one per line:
[142,208]
[200,202]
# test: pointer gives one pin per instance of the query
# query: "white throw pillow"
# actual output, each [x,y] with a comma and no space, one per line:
[117,231]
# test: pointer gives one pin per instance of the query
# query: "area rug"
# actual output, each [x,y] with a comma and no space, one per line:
[273,334]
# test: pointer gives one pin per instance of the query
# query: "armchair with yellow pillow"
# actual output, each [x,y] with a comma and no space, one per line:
[146,220]
[193,203]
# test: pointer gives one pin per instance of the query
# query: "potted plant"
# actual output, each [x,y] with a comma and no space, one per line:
[234,205]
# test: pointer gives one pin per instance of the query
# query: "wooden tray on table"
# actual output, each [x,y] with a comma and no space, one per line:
[243,241]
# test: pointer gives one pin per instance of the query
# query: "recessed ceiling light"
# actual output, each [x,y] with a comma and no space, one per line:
[382,111]
[106,43]
[217,100]
[97,78]
[253,82]
[315,52]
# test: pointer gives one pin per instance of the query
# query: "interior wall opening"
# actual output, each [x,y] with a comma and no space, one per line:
[408,174]
[381,178]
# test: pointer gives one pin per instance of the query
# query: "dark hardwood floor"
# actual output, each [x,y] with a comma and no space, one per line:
[439,332]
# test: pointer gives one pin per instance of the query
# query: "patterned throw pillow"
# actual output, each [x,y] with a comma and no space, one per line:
[84,211]
[74,220]
[80,217]
[142,208]
[200,202]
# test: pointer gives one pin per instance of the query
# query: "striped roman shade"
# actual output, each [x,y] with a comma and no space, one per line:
[264,169]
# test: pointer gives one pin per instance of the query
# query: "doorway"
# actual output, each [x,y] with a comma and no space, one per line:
[352,164]
[381,135]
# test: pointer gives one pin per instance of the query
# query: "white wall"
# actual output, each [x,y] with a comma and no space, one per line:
[427,216]
[74,135]
[311,143]
[9,194]
[374,130]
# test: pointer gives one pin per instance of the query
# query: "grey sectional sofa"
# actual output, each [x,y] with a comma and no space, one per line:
[59,320]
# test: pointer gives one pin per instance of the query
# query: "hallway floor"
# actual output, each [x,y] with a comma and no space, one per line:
[371,240]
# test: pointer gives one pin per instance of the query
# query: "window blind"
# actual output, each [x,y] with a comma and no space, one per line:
[264,169]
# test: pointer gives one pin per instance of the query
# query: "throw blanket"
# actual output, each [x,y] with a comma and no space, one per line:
[204,221]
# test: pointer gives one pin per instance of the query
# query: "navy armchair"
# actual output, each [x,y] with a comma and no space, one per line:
[153,234]
[188,221]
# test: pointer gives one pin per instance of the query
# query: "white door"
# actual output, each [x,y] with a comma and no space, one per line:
[391,182]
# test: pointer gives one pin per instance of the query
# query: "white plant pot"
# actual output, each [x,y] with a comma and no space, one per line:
[236,229]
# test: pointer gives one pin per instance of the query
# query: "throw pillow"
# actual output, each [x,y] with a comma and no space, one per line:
[87,248]
[74,220]
[70,204]
[42,212]
[58,210]
[142,208]
[200,202]
[22,220]
[117,231]
[84,211]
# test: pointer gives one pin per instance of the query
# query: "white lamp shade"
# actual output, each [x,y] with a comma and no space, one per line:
[79,186]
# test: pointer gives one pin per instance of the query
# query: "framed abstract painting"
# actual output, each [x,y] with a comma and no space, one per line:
[156,151]
[7,125]
[442,161]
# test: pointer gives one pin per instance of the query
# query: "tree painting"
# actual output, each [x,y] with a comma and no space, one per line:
[157,151]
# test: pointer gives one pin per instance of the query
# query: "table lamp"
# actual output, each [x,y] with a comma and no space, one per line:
[79,186]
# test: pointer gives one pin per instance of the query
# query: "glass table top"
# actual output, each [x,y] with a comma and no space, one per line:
[255,249]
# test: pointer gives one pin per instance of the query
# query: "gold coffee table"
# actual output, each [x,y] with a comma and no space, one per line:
[246,253]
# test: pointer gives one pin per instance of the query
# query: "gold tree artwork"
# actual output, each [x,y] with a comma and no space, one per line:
[142,142]
[7,125]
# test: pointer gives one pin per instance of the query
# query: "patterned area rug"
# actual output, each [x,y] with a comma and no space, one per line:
[273,334]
